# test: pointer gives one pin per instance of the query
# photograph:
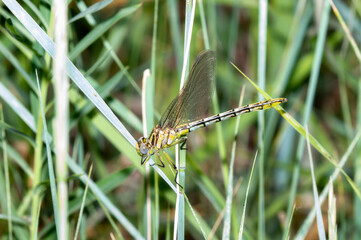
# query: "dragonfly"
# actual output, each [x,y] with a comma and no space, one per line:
[183,115]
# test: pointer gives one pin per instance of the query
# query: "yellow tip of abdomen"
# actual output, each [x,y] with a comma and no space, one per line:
[273,102]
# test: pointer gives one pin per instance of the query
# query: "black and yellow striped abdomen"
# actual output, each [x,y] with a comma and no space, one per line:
[192,126]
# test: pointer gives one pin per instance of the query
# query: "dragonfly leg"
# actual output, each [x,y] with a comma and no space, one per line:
[175,179]
[174,166]
[169,160]
[160,159]
[183,143]
[144,159]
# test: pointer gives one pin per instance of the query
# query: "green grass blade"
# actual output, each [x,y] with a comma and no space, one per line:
[37,181]
[207,187]
[179,228]
[92,22]
[240,234]
[154,225]
[155,37]
[82,205]
[300,129]
[149,85]
[212,18]
[17,158]
[294,43]
[320,226]
[261,73]
[85,106]
[110,219]
[233,31]
[195,216]
[289,223]
[53,191]
[303,230]
[98,63]
[18,66]
[151,162]
[332,211]
[322,32]
[37,12]
[15,220]
[127,115]
[78,170]
[90,10]
[189,20]
[7,177]
[357,203]
[15,131]
[175,32]
[347,31]
[73,72]
[12,34]
[100,29]
[103,126]
[105,200]
[228,205]
[195,219]
[106,185]
[204,25]
[221,143]
[61,119]
[289,64]
[36,224]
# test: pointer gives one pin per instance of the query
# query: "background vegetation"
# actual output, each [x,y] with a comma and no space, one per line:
[302,52]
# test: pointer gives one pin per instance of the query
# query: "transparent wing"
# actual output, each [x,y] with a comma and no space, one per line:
[193,99]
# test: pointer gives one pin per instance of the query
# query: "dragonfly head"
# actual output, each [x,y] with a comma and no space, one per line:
[142,147]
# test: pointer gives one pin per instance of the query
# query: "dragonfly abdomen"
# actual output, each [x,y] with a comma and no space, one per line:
[192,126]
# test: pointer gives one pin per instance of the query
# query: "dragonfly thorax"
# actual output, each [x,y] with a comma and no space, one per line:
[158,139]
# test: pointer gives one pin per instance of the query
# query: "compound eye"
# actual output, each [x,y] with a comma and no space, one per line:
[143,148]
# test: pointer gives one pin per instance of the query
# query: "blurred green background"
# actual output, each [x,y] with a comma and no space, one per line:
[308,59]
